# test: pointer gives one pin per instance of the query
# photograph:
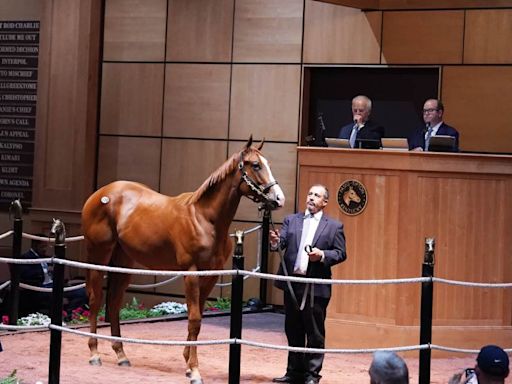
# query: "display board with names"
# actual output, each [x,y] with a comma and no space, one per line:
[19,50]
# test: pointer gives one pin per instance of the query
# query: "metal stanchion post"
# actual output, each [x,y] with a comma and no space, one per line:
[56,303]
[427,295]
[237,292]
[14,294]
[265,228]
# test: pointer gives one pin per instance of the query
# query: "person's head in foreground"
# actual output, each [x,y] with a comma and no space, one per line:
[388,368]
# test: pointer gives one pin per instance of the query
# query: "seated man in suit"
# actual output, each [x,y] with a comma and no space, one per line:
[361,127]
[40,275]
[433,111]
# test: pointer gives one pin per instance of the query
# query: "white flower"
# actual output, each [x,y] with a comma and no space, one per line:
[169,308]
[35,319]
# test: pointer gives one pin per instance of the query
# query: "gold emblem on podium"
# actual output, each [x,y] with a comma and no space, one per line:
[352,197]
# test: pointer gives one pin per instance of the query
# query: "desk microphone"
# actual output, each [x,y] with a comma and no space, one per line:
[308,248]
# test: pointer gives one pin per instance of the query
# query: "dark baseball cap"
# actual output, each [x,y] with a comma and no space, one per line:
[493,360]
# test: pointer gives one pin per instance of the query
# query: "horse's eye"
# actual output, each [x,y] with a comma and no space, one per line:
[256,166]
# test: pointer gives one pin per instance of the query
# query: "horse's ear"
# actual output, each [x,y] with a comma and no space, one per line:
[249,142]
[260,145]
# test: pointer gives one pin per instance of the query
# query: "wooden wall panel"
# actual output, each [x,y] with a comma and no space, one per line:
[187,163]
[336,34]
[485,128]
[265,102]
[268,31]
[20,9]
[283,162]
[200,30]
[67,105]
[135,30]
[423,37]
[131,99]
[487,37]
[460,236]
[129,158]
[442,4]
[197,100]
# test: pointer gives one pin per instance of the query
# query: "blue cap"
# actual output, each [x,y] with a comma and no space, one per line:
[493,360]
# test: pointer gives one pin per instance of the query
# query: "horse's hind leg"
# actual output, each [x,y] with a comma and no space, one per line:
[196,291]
[95,293]
[117,285]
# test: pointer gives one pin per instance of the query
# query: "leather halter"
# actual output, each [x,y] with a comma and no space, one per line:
[261,191]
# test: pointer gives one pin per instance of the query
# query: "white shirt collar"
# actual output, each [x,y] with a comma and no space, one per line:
[435,128]
[317,216]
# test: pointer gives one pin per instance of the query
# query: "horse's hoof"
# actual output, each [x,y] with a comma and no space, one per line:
[95,361]
[196,381]
[124,363]
[188,373]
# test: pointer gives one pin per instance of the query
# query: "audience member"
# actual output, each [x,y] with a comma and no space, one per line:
[388,368]
[361,127]
[40,275]
[492,367]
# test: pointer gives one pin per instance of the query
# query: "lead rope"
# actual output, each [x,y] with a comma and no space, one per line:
[288,282]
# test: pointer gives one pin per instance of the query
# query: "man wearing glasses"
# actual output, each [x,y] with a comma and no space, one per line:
[433,110]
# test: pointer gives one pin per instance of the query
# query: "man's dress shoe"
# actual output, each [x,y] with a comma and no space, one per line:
[284,379]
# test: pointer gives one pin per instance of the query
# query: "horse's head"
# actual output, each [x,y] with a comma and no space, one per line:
[351,195]
[258,183]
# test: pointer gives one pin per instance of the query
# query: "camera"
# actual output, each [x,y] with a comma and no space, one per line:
[471,377]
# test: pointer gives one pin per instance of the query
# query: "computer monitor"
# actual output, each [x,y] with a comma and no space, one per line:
[395,143]
[337,143]
[368,144]
[441,143]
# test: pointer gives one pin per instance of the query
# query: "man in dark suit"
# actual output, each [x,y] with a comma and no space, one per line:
[361,127]
[313,243]
[433,111]
[40,275]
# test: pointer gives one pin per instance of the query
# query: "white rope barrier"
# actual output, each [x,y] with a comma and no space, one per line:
[6,234]
[23,327]
[470,284]
[138,271]
[329,350]
[248,231]
[50,239]
[295,279]
[231,283]
[141,341]
[5,284]
[9,260]
[155,285]
[459,350]
[42,289]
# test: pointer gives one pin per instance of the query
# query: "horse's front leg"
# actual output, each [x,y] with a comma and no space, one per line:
[192,294]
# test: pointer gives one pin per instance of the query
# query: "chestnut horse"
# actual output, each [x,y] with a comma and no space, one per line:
[126,222]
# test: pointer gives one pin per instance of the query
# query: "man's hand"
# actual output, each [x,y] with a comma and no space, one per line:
[316,254]
[456,379]
[274,238]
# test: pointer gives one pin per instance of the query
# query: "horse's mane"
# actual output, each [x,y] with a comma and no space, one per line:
[218,175]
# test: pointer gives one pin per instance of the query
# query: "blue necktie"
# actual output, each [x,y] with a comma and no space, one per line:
[353,136]
[427,138]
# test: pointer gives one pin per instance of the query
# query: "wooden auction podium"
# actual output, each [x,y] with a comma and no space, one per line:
[464,201]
